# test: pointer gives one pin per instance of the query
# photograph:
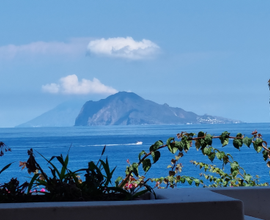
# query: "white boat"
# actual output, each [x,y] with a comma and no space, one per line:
[139,143]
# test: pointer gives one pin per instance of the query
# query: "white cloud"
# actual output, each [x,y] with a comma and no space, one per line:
[51,88]
[113,47]
[75,46]
[123,48]
[71,85]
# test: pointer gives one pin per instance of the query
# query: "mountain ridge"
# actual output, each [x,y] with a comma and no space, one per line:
[62,115]
[123,108]
[126,108]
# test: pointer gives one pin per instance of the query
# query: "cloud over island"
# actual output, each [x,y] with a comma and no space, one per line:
[118,47]
[126,48]
[71,85]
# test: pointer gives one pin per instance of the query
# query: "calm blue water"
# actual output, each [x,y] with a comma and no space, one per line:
[87,143]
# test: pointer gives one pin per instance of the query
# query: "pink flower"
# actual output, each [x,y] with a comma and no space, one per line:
[42,190]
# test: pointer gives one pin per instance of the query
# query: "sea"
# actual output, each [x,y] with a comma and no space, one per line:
[85,144]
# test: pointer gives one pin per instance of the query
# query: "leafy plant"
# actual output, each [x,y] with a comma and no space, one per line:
[95,181]
[13,191]
[66,185]
[60,186]
[214,176]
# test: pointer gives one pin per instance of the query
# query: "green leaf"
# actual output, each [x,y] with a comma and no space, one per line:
[146,165]
[182,179]
[142,153]
[212,156]
[156,156]
[197,144]
[128,169]
[170,147]
[247,177]
[197,182]
[185,143]
[34,178]
[206,167]
[49,161]
[234,173]
[135,168]
[64,165]
[117,181]
[265,155]
[174,150]
[247,141]
[156,145]
[259,149]
[224,138]
[189,180]
[106,168]
[170,179]
[239,135]
[218,155]
[6,167]
[221,155]
[203,142]
[208,139]
[225,159]
[179,145]
[237,143]
[234,165]
[207,151]
[258,145]
[200,134]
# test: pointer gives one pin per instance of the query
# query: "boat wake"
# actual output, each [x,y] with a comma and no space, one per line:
[109,145]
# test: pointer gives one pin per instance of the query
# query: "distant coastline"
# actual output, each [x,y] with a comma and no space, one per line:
[122,108]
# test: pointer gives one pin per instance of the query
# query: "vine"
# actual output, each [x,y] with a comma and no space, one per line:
[217,177]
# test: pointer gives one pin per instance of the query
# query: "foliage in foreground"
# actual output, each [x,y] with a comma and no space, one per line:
[62,184]
[212,175]
[65,185]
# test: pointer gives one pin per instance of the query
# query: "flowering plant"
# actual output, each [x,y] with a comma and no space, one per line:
[64,184]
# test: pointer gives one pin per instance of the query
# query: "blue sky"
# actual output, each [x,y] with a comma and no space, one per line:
[203,56]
